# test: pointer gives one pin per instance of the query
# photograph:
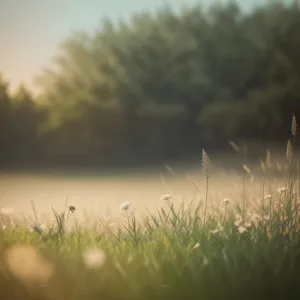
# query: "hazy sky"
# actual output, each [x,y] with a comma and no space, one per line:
[30,30]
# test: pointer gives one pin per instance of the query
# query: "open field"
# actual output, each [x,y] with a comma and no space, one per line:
[230,235]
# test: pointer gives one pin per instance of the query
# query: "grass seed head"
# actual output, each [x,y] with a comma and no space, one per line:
[206,164]
[294,126]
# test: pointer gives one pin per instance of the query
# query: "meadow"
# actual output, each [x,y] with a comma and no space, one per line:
[239,244]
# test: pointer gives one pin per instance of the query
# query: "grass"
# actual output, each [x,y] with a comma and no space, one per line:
[192,251]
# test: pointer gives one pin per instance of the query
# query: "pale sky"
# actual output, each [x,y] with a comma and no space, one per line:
[30,30]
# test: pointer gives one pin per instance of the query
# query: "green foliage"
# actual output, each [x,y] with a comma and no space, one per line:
[208,76]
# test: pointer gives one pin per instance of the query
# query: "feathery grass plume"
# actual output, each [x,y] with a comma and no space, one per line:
[206,164]
[289,151]
[268,159]
[294,126]
[234,146]
[246,168]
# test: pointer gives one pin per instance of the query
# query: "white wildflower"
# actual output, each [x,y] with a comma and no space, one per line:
[242,229]
[282,189]
[226,201]
[165,197]
[268,197]
[125,205]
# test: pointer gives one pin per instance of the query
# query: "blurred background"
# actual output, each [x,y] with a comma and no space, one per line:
[142,83]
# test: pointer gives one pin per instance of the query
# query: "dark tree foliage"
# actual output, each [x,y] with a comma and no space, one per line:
[162,86]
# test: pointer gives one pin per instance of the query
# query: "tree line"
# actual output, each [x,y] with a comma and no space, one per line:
[161,86]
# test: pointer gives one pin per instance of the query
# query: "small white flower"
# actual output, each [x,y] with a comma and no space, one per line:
[94,258]
[213,231]
[268,197]
[242,229]
[165,197]
[125,205]
[226,201]
[281,189]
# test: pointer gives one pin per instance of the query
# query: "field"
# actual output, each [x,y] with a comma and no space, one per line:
[213,234]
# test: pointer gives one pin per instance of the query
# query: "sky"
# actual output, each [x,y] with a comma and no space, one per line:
[31,30]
